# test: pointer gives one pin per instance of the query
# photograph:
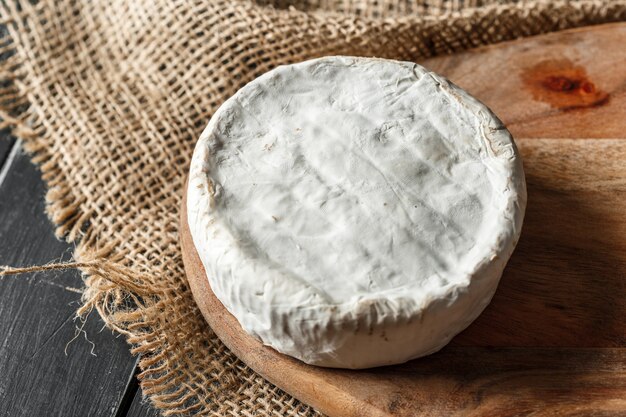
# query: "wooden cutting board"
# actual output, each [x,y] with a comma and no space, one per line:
[553,341]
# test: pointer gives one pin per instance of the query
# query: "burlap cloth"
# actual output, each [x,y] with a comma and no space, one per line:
[110,96]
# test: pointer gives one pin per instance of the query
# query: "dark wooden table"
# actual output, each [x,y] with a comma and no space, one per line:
[44,369]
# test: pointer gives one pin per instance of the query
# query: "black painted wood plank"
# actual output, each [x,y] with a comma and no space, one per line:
[141,407]
[37,321]
[6,143]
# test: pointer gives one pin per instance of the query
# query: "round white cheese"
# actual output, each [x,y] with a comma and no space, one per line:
[354,212]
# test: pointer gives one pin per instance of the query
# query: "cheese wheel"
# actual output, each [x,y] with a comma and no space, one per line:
[354,212]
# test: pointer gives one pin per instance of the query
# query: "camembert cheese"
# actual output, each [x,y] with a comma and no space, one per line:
[354,212]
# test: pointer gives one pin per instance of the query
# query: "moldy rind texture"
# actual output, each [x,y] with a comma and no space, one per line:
[354,212]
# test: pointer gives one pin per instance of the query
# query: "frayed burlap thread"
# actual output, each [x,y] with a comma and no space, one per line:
[109,97]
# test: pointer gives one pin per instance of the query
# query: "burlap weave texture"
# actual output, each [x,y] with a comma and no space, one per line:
[110,97]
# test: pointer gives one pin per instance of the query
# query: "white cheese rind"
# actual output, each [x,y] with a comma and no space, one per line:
[354,212]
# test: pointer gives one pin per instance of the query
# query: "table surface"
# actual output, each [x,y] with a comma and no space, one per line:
[47,365]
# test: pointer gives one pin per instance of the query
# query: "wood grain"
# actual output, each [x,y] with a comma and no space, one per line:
[140,407]
[37,316]
[553,341]
[569,84]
